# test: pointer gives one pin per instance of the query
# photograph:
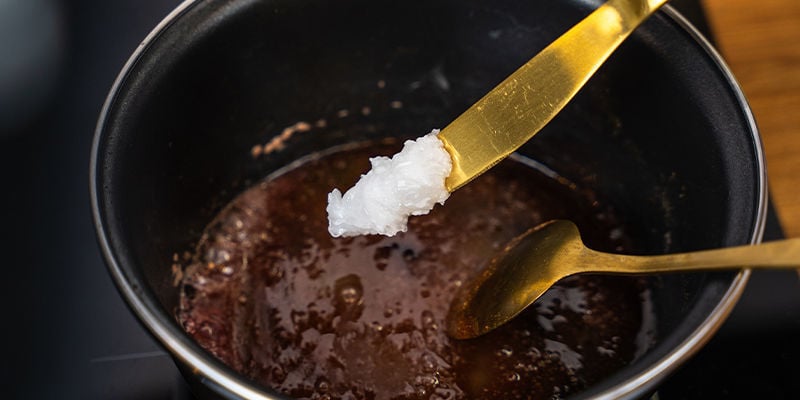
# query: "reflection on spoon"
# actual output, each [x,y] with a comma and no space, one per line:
[534,261]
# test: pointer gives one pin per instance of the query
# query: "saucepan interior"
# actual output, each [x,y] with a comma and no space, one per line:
[661,133]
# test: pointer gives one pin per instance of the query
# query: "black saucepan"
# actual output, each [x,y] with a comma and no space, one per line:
[662,133]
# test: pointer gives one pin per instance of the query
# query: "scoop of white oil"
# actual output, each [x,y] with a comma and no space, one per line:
[409,183]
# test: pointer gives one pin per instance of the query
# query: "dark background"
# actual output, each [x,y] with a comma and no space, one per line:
[66,332]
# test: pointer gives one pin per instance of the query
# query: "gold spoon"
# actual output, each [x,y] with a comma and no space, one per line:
[540,257]
[521,105]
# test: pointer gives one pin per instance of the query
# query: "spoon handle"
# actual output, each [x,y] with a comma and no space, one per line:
[521,105]
[776,254]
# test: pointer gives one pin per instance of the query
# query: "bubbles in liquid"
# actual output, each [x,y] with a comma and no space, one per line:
[348,297]
[505,351]
[217,256]
[409,255]
[427,380]
[428,321]
[323,386]
[278,374]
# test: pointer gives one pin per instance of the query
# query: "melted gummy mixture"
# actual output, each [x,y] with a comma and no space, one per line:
[275,297]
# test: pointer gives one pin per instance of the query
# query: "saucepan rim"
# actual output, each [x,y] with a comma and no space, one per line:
[178,344]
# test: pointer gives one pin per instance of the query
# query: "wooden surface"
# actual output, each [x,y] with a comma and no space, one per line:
[760,40]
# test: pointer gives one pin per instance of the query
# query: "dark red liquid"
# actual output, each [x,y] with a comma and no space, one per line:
[271,294]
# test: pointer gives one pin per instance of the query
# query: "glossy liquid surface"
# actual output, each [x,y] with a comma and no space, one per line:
[271,294]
